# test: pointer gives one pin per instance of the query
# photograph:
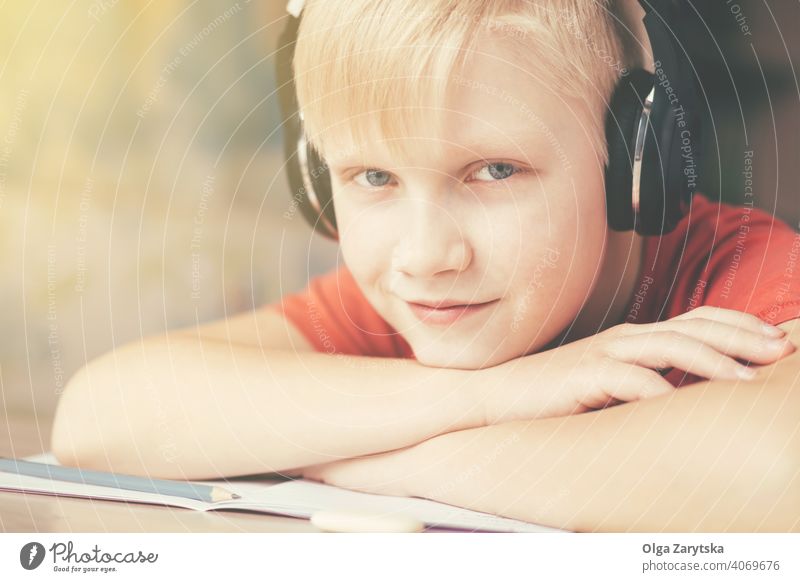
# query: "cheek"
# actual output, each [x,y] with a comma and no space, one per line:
[557,246]
[576,210]
[569,220]
[364,239]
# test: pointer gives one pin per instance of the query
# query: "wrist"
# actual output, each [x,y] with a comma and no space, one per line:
[511,391]
[478,392]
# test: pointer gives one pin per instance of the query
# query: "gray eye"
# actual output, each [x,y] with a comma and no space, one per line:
[501,170]
[495,172]
[377,177]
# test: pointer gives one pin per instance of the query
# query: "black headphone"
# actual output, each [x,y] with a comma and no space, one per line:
[653,131]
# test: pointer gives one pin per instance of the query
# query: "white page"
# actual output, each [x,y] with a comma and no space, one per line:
[297,498]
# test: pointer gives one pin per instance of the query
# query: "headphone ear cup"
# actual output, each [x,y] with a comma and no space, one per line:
[622,123]
[315,168]
[321,179]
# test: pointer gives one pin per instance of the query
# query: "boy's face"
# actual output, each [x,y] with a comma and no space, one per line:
[505,214]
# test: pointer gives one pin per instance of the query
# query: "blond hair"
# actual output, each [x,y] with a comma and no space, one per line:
[394,58]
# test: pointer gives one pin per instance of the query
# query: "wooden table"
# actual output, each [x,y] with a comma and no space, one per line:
[21,436]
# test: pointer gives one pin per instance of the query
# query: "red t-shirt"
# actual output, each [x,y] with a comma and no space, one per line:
[737,257]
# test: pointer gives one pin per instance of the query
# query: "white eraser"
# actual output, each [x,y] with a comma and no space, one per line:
[363,521]
[294,7]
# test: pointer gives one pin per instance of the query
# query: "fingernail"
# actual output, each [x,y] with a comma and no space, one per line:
[771,330]
[745,373]
[776,344]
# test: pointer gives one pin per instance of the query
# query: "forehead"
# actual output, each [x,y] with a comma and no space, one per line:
[494,101]
[501,98]
[498,98]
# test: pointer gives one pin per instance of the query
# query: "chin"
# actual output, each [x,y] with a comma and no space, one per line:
[461,357]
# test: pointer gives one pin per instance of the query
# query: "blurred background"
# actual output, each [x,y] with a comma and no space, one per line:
[141,180]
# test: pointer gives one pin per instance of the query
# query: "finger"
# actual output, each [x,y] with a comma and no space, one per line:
[677,350]
[637,383]
[732,317]
[619,382]
[725,338]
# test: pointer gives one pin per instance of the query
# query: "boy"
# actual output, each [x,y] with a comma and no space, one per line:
[485,304]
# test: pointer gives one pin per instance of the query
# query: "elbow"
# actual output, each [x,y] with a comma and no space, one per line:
[81,435]
[106,419]
[69,439]
[90,429]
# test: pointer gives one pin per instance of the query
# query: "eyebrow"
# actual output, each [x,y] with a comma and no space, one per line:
[516,140]
[513,139]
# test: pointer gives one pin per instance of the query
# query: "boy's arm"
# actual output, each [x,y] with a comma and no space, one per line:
[238,397]
[713,456]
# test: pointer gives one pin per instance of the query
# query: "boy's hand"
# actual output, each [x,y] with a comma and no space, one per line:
[620,364]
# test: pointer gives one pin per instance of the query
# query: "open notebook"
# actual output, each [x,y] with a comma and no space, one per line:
[296,498]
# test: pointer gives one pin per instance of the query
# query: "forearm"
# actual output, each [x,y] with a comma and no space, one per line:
[712,456]
[192,409]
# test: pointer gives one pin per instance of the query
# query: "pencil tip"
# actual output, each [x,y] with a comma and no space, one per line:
[235,496]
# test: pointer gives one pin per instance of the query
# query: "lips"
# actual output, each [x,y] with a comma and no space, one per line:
[446,312]
[444,304]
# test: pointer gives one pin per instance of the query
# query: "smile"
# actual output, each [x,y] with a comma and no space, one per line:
[446,315]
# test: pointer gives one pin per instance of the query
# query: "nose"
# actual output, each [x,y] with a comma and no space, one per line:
[433,241]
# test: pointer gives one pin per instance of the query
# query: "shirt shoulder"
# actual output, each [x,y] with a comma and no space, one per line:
[336,317]
[736,257]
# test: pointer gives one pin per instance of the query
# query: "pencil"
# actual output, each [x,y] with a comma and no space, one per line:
[200,492]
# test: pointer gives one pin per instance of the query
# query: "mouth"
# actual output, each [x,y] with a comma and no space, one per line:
[445,313]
